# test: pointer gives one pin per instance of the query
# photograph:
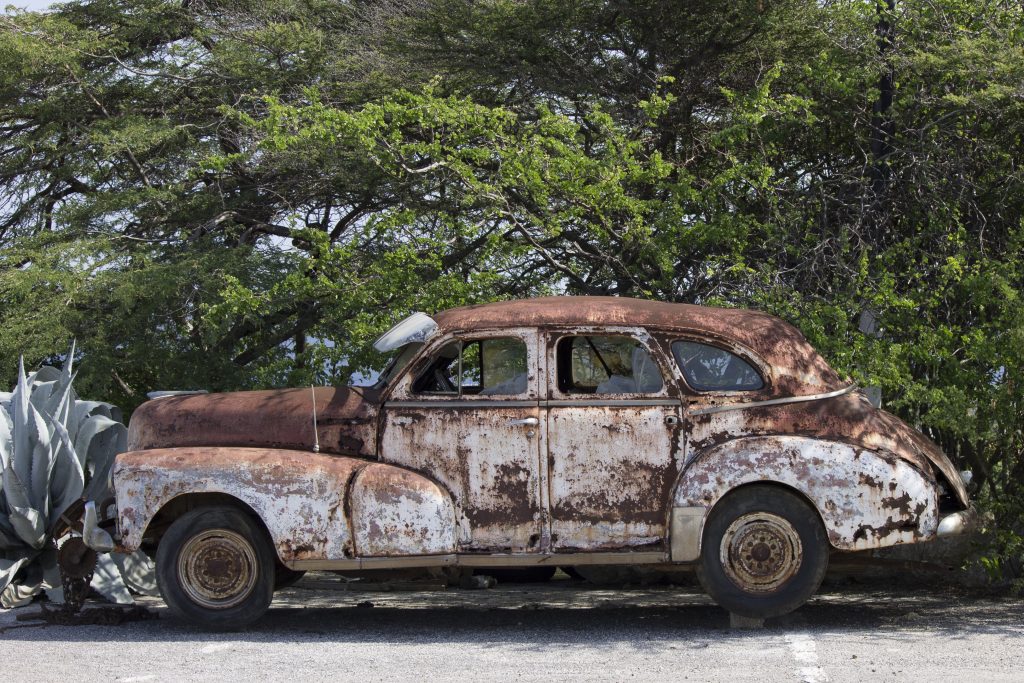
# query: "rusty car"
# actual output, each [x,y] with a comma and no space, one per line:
[559,431]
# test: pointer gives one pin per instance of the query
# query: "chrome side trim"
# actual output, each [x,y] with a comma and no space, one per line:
[772,402]
[461,405]
[609,402]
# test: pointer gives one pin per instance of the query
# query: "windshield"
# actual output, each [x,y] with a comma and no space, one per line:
[418,327]
[397,363]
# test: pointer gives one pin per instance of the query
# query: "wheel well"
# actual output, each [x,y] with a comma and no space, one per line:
[179,505]
[777,485]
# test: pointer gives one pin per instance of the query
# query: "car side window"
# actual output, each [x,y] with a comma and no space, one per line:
[480,367]
[595,364]
[709,368]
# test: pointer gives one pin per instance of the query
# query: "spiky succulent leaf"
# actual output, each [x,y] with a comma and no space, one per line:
[138,572]
[100,439]
[6,443]
[68,477]
[10,567]
[107,581]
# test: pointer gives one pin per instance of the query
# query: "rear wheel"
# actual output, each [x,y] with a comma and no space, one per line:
[764,552]
[215,568]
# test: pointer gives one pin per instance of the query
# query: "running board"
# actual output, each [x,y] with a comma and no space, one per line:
[469,560]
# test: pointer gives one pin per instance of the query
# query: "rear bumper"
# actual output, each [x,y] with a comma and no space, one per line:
[957,523]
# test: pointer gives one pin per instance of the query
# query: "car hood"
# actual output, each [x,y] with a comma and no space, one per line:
[282,418]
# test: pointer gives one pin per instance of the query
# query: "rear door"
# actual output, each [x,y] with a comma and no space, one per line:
[613,439]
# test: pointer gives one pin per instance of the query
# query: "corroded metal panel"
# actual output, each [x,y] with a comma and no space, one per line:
[482,456]
[866,499]
[299,496]
[849,418]
[283,418]
[612,458]
[611,471]
[399,513]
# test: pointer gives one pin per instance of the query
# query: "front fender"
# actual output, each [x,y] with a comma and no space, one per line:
[314,506]
[866,499]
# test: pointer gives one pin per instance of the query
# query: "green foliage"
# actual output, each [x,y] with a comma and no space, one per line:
[244,194]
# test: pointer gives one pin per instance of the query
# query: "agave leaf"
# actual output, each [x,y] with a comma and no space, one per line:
[44,375]
[29,525]
[6,440]
[21,592]
[14,491]
[138,572]
[8,538]
[8,568]
[41,461]
[100,439]
[68,478]
[22,453]
[57,406]
[52,583]
[108,582]
[87,409]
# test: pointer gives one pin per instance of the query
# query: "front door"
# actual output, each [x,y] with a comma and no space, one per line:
[467,414]
[613,440]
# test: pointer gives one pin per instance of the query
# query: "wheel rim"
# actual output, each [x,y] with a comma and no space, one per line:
[760,552]
[217,568]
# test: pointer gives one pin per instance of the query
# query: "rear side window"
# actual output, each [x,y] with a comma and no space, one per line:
[606,365]
[709,368]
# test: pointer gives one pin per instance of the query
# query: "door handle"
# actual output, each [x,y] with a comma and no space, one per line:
[526,422]
[671,419]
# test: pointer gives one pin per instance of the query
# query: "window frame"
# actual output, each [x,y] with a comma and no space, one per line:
[403,386]
[641,336]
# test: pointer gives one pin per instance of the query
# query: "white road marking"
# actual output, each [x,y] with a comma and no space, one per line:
[801,645]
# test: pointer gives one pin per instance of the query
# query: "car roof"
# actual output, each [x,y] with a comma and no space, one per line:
[774,340]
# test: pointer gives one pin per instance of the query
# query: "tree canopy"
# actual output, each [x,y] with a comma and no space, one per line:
[243,193]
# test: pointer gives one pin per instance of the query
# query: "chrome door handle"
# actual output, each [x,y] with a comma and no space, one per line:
[526,422]
[671,420]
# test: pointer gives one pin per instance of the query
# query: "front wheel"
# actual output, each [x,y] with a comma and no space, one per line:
[764,552]
[215,568]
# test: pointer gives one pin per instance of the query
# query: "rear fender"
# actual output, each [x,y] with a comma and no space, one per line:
[866,499]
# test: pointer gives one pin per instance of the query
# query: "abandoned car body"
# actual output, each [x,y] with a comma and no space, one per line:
[560,431]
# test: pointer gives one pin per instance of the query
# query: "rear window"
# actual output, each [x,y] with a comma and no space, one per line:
[709,368]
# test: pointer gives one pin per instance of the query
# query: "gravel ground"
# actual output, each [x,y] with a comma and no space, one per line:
[557,631]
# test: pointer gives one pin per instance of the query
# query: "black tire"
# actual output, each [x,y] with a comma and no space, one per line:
[285,577]
[215,568]
[764,552]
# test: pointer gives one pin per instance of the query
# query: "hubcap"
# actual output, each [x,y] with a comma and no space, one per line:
[217,568]
[760,552]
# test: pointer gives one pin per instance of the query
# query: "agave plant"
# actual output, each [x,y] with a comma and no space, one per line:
[55,449]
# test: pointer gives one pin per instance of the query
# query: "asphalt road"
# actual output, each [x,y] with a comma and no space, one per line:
[560,631]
